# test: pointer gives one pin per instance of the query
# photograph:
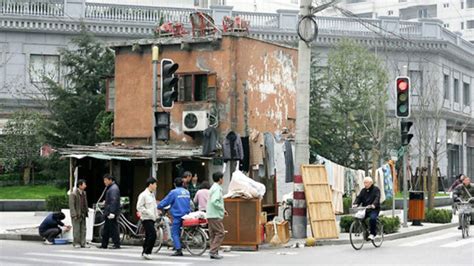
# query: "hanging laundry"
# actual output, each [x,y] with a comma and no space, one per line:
[232,148]
[358,184]
[338,188]
[290,168]
[391,163]
[245,162]
[388,181]
[269,153]
[256,147]
[379,182]
[210,141]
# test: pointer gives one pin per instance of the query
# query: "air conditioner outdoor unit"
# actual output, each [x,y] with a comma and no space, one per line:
[195,120]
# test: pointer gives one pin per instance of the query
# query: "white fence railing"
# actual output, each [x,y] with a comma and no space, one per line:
[32,7]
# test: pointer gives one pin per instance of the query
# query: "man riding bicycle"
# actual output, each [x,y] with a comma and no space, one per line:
[464,192]
[179,199]
[369,197]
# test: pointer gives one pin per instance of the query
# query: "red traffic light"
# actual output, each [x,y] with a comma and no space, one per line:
[402,84]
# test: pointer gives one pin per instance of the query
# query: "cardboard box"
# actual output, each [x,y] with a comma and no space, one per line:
[263,217]
[283,231]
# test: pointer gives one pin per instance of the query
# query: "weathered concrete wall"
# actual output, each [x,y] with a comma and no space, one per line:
[256,86]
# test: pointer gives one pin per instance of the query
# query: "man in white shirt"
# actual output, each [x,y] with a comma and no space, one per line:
[146,206]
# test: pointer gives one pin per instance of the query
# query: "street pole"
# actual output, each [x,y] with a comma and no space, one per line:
[405,179]
[302,127]
[405,189]
[154,60]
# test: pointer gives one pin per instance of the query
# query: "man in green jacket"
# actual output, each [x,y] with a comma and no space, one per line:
[79,212]
[215,214]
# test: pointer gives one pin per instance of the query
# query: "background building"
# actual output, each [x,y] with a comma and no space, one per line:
[438,60]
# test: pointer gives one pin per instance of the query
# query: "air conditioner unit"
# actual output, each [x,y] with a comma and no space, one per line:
[195,120]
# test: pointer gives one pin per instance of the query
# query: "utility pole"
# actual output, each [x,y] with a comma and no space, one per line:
[154,61]
[302,125]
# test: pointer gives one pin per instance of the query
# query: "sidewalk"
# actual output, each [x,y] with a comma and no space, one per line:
[24,226]
[403,232]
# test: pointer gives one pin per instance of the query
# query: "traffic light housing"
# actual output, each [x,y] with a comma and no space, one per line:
[403,97]
[168,83]
[405,132]
[162,126]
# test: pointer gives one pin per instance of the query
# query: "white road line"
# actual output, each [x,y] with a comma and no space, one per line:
[137,255]
[40,261]
[109,260]
[459,243]
[428,240]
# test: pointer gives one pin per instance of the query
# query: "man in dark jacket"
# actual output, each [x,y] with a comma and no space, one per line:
[369,197]
[50,228]
[464,192]
[111,212]
[79,212]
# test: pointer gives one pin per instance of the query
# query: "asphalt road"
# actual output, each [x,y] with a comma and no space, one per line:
[439,248]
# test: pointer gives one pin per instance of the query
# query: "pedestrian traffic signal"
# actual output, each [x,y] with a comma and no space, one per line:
[403,97]
[168,83]
[405,129]
[162,125]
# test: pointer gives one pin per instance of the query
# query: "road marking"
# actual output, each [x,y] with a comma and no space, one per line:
[137,255]
[459,243]
[42,261]
[76,257]
[428,240]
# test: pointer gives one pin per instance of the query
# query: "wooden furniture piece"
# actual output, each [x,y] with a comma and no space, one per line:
[243,223]
[319,202]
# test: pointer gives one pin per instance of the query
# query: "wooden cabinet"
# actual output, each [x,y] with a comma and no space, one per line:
[243,223]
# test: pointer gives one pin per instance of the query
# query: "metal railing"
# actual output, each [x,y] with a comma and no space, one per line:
[139,13]
[32,7]
[259,20]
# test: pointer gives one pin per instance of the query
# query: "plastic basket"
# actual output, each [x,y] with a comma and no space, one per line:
[60,241]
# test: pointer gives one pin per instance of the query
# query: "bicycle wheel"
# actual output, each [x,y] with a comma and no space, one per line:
[463,225]
[122,233]
[356,234]
[194,239]
[377,242]
[159,239]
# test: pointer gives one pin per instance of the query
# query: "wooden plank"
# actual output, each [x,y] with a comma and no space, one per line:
[319,202]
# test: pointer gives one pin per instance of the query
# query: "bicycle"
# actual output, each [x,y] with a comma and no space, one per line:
[359,231]
[464,209]
[193,237]
[288,211]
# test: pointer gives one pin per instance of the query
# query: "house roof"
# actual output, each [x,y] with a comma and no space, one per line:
[128,153]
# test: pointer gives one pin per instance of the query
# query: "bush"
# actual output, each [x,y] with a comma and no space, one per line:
[345,223]
[438,216]
[11,177]
[347,203]
[56,203]
[390,224]
[387,204]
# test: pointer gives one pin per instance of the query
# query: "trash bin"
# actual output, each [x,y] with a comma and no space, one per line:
[416,207]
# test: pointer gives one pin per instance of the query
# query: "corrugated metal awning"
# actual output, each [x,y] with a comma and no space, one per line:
[98,156]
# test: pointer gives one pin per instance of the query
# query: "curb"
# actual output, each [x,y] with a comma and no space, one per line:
[391,236]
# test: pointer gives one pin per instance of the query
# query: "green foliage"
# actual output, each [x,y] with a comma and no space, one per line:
[30,192]
[103,121]
[387,204]
[348,106]
[75,107]
[20,146]
[10,177]
[390,224]
[347,203]
[438,216]
[57,202]
[345,223]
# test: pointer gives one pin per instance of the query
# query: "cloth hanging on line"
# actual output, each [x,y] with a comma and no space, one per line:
[388,181]
[232,147]
[290,168]
[269,153]
[338,188]
[379,182]
[256,143]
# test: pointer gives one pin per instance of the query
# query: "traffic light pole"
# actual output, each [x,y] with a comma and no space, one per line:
[154,56]
[405,187]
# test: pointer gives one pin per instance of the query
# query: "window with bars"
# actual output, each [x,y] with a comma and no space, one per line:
[44,66]
[196,87]
[466,94]
[456,90]
[446,86]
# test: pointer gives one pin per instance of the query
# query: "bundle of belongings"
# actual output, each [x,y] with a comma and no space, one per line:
[194,218]
[242,186]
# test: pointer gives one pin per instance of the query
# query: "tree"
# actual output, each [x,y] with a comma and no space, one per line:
[348,107]
[77,106]
[20,147]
